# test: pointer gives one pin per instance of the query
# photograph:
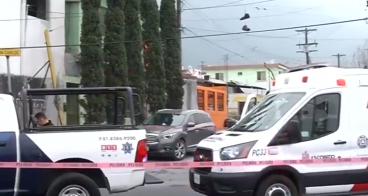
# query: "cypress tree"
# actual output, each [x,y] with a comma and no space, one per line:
[116,70]
[155,71]
[133,46]
[91,62]
[171,54]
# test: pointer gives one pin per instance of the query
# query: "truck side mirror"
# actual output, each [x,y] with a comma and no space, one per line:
[229,122]
[190,124]
[289,134]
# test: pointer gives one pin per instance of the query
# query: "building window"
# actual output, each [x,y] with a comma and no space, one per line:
[261,75]
[200,98]
[37,8]
[240,73]
[220,101]
[220,76]
[211,100]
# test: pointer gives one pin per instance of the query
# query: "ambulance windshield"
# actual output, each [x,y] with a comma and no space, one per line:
[268,113]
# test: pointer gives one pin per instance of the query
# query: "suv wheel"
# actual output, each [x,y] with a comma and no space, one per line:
[71,184]
[180,150]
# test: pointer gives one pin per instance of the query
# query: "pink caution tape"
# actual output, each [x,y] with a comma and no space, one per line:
[233,163]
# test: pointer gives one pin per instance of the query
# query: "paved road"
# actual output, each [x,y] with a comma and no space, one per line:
[175,183]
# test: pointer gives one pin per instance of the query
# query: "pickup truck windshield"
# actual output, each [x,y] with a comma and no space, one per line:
[268,113]
[165,119]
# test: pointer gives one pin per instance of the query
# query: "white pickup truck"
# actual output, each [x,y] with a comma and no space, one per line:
[98,143]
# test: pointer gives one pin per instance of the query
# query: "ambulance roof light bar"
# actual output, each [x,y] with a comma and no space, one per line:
[307,67]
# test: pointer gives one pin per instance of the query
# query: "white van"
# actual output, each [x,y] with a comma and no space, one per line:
[309,114]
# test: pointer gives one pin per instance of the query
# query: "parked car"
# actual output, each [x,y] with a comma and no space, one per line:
[173,132]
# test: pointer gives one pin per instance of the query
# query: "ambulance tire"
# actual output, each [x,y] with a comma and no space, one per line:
[279,181]
[77,180]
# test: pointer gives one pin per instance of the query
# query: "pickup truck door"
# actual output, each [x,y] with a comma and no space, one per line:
[9,130]
[8,153]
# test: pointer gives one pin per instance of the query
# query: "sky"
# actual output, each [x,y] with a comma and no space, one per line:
[277,46]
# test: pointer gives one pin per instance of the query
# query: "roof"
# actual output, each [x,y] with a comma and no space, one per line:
[318,78]
[249,66]
[179,111]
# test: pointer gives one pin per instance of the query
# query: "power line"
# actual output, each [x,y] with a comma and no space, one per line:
[211,22]
[265,16]
[210,35]
[281,37]
[224,5]
[80,14]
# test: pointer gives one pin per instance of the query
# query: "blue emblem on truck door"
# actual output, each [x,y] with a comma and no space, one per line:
[127,148]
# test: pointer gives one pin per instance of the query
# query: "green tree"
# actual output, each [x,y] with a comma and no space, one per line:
[133,45]
[155,71]
[171,53]
[116,70]
[91,62]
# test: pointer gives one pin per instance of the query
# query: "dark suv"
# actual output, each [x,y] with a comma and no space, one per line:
[173,133]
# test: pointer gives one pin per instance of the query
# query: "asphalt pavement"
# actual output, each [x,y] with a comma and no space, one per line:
[176,183]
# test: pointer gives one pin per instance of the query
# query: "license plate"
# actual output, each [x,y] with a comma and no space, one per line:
[197,179]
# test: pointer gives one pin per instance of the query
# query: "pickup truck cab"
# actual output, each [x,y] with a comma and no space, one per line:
[88,143]
[316,113]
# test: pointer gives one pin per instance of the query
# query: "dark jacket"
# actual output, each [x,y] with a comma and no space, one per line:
[48,124]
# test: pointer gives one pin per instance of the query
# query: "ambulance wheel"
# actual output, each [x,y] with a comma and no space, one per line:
[71,184]
[276,185]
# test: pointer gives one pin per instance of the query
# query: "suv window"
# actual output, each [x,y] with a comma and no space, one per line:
[191,118]
[206,118]
[199,118]
[165,119]
[319,117]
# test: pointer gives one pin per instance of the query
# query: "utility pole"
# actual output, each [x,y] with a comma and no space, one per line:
[202,65]
[306,44]
[226,63]
[178,18]
[338,55]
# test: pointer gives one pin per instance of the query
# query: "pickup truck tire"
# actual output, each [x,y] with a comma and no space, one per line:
[276,183]
[73,182]
[180,145]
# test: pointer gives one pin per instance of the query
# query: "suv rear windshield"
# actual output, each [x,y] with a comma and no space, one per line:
[268,113]
[165,119]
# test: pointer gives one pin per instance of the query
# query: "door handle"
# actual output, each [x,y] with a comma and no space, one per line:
[2,144]
[339,142]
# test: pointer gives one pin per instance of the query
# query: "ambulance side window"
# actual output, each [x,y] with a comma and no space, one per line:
[320,116]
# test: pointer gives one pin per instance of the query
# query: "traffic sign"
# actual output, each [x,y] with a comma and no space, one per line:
[10,52]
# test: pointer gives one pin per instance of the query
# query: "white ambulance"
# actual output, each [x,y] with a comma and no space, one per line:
[315,113]
[112,142]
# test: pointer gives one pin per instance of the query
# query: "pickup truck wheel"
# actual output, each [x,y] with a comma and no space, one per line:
[277,185]
[180,150]
[73,184]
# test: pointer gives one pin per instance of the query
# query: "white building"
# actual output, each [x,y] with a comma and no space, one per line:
[19,30]
[26,30]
